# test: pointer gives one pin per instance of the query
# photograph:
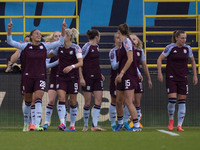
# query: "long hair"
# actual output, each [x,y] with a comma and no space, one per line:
[175,34]
[139,44]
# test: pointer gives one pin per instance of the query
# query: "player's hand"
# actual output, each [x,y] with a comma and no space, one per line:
[118,79]
[140,77]
[82,82]
[150,84]
[195,79]
[64,25]
[67,69]
[160,77]
[10,25]
[102,77]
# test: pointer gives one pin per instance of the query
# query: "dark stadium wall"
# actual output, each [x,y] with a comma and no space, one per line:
[153,104]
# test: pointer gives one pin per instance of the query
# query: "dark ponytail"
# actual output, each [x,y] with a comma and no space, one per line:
[124,29]
[92,34]
[175,34]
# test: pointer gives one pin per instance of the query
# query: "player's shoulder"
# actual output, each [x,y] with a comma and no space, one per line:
[86,46]
[172,45]
[113,50]
[187,46]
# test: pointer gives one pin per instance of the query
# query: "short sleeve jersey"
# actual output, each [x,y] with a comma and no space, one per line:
[91,67]
[67,57]
[127,45]
[177,60]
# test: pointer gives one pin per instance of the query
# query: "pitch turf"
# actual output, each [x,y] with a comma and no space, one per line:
[148,139]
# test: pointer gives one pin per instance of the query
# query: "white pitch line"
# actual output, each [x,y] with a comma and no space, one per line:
[170,133]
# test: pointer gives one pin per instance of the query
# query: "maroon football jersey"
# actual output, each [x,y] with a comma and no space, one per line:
[91,67]
[67,57]
[55,68]
[122,55]
[177,60]
[35,60]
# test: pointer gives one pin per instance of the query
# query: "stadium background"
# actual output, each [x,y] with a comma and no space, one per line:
[104,15]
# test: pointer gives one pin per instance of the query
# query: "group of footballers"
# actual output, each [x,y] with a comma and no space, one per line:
[71,65]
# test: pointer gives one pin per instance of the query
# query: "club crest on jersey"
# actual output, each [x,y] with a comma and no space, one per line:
[71,52]
[41,47]
[112,56]
[57,86]
[30,47]
[88,88]
[184,51]
[61,51]
[51,85]
[138,53]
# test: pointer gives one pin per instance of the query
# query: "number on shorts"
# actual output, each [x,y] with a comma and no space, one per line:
[42,84]
[186,89]
[127,83]
[75,87]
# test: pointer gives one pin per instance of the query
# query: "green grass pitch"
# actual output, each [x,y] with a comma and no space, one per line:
[52,139]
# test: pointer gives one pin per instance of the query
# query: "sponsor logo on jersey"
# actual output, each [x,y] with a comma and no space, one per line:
[112,56]
[138,53]
[166,50]
[41,47]
[126,45]
[79,50]
[71,52]
[184,51]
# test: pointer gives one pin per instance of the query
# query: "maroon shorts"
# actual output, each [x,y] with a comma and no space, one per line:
[179,87]
[30,85]
[52,83]
[70,87]
[93,85]
[139,88]
[127,83]
[112,87]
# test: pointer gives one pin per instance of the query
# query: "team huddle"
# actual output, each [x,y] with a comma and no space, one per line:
[72,65]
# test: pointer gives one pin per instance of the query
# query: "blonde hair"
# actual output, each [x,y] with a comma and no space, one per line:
[139,44]
[49,38]
[72,32]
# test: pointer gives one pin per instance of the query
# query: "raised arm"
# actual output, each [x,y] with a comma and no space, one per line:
[11,42]
[57,44]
